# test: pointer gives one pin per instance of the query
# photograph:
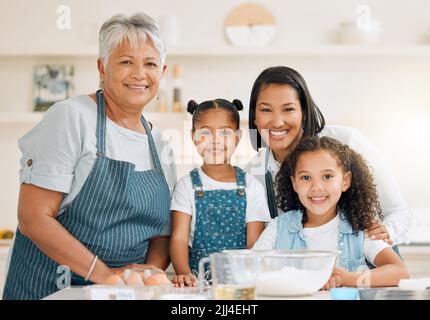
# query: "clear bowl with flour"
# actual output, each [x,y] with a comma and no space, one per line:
[295,272]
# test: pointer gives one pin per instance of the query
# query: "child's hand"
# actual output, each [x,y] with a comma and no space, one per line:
[378,232]
[181,280]
[335,279]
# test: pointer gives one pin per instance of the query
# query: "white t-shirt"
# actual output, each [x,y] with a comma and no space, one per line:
[397,215]
[183,198]
[324,237]
[62,149]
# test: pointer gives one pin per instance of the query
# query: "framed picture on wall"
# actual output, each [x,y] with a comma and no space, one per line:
[52,83]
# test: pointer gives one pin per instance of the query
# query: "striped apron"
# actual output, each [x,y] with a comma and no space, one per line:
[116,213]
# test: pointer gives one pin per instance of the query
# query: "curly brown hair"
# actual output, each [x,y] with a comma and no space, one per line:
[359,203]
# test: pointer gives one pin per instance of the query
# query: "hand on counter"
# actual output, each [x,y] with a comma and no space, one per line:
[142,267]
[335,279]
[182,280]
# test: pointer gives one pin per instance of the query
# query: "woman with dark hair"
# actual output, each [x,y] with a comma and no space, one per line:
[281,113]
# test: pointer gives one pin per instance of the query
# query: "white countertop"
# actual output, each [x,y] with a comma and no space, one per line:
[81,293]
[409,290]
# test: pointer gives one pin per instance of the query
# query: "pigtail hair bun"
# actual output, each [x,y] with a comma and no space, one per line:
[238,104]
[192,106]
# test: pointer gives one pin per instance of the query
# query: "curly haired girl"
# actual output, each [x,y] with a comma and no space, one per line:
[327,193]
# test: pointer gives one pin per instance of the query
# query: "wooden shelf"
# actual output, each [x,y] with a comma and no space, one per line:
[316,51]
[20,117]
[34,117]
[334,50]
[166,117]
[36,53]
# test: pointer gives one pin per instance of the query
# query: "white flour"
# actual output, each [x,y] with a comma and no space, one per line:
[290,281]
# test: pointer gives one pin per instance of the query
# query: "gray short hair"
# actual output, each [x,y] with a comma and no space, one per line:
[134,28]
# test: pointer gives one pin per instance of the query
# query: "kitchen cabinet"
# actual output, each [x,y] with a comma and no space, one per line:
[206,67]
[4,250]
[417,259]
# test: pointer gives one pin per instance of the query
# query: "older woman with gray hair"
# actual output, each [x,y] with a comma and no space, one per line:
[94,197]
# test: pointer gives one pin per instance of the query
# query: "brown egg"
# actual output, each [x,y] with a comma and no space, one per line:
[157,279]
[114,280]
[146,274]
[133,279]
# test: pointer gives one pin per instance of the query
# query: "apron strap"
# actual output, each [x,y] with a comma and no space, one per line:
[270,192]
[154,152]
[151,144]
[101,131]
[101,124]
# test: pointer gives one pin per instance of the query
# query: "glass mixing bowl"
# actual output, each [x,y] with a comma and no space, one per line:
[294,272]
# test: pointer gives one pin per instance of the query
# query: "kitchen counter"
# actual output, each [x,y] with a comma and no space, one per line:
[416,256]
[80,293]
[417,259]
[387,293]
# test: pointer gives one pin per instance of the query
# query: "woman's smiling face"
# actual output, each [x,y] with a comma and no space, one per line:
[279,117]
[132,75]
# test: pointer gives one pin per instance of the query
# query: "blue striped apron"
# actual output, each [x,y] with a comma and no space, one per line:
[114,215]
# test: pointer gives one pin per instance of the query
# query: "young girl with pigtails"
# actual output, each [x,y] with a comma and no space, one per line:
[217,206]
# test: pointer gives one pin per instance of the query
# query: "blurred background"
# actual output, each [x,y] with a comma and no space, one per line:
[367,64]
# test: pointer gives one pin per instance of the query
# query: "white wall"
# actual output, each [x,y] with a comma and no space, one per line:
[388,99]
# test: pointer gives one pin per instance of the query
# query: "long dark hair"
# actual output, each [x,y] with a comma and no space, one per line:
[359,203]
[313,120]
